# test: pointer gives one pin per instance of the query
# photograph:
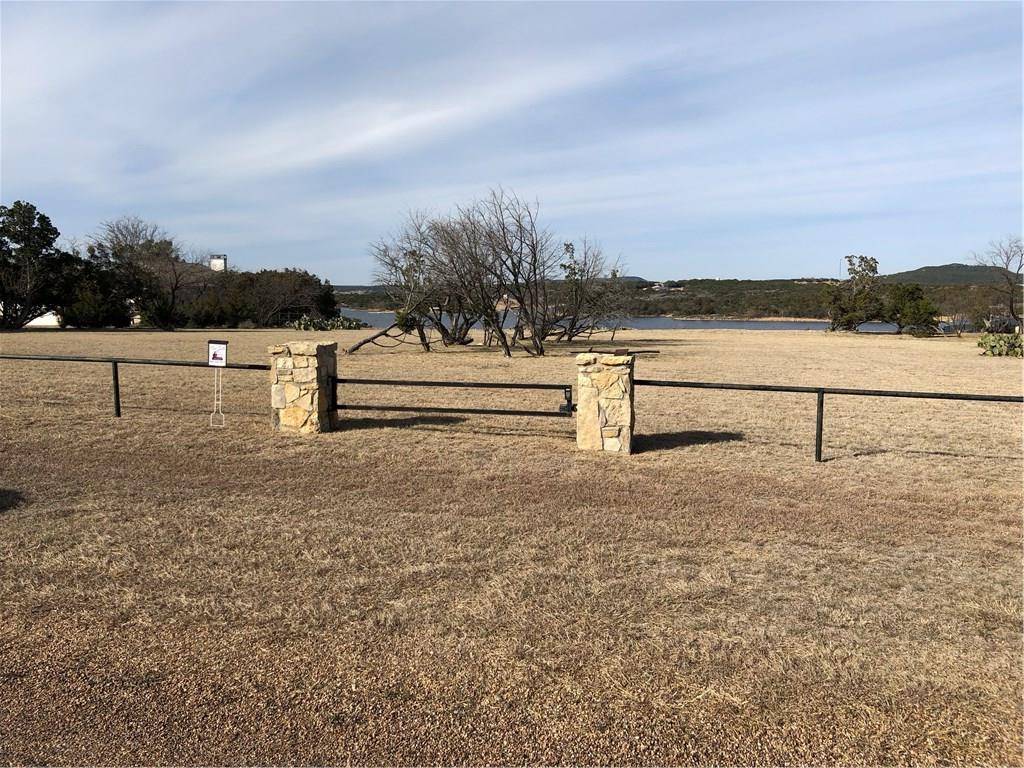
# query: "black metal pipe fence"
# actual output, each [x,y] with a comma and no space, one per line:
[137,361]
[819,421]
[566,408]
[115,378]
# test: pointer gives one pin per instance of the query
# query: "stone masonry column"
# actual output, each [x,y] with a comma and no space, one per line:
[300,391]
[604,413]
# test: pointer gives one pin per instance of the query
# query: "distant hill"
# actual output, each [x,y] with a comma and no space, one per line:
[949,274]
[948,286]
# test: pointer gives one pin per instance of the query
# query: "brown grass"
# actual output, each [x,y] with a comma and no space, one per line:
[434,589]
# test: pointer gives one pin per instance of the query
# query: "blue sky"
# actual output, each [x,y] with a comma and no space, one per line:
[690,139]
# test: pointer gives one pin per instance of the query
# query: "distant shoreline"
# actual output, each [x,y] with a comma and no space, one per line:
[757,319]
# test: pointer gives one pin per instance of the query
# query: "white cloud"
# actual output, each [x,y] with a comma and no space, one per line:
[260,126]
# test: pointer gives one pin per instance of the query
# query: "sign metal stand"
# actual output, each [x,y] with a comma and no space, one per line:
[217,358]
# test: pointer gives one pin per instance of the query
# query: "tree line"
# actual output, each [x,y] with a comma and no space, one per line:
[960,305]
[131,268]
[489,267]
[863,298]
[492,265]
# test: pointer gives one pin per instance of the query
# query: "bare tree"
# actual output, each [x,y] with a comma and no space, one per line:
[156,271]
[445,307]
[958,321]
[465,262]
[435,270]
[128,234]
[487,263]
[278,296]
[588,297]
[1007,256]
[401,271]
[526,261]
[172,277]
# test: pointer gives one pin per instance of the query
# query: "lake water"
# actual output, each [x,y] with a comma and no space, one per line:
[384,319]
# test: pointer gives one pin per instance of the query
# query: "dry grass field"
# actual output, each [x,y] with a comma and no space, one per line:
[420,589]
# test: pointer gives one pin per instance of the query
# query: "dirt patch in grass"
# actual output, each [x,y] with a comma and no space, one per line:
[439,589]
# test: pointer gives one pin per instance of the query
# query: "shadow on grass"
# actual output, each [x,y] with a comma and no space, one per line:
[186,411]
[606,347]
[912,452]
[9,499]
[92,406]
[665,441]
[400,422]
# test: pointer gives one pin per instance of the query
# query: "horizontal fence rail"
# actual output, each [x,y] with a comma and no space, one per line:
[819,420]
[565,409]
[137,361]
[441,409]
[830,390]
[468,384]
[114,362]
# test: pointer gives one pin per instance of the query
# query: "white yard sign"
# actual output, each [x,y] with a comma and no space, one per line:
[217,353]
[217,357]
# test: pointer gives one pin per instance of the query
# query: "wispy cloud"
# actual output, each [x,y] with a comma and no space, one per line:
[739,138]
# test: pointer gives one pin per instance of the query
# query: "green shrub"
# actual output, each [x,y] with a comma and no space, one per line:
[339,323]
[911,310]
[405,320]
[1001,345]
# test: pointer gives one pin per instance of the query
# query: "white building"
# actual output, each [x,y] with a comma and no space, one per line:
[49,320]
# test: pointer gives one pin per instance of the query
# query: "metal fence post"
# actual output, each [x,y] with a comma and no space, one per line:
[567,407]
[818,424]
[117,390]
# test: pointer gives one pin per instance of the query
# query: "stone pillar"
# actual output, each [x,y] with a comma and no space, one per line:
[300,391]
[604,413]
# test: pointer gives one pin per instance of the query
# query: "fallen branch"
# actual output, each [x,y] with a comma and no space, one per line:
[370,339]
